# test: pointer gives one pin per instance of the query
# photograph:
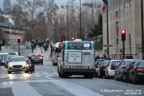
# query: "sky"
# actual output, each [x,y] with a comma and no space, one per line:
[59,2]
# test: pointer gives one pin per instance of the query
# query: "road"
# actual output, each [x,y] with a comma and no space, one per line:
[45,82]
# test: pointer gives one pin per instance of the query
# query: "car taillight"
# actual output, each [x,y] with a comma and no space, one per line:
[122,67]
[32,58]
[41,58]
[139,69]
[104,67]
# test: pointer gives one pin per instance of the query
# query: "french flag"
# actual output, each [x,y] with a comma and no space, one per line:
[104,5]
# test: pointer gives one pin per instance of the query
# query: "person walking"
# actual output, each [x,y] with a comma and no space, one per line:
[32,68]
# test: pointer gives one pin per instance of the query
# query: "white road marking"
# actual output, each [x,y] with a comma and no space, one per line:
[23,89]
[77,90]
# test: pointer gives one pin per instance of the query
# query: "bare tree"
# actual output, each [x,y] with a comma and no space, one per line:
[25,11]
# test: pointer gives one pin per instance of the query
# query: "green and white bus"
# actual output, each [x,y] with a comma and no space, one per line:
[77,59]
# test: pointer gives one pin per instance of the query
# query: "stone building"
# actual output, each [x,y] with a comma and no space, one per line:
[7,6]
[123,14]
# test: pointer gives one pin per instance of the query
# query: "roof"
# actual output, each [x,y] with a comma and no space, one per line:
[9,25]
[3,53]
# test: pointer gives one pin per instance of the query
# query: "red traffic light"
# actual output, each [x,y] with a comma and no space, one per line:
[18,38]
[123,35]
[123,32]
[73,38]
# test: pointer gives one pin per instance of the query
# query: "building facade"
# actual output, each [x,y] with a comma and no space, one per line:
[6,6]
[123,14]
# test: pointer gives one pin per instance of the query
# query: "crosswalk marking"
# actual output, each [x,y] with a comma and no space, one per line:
[23,89]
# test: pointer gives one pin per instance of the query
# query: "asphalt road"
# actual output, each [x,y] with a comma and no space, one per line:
[45,82]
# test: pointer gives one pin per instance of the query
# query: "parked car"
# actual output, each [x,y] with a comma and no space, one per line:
[98,64]
[136,71]
[36,58]
[101,69]
[120,70]
[3,59]
[125,76]
[110,69]
[17,63]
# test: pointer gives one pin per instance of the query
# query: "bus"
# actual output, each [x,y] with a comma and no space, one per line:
[77,59]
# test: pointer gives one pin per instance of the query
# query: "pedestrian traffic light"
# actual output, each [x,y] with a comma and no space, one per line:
[123,35]
[18,39]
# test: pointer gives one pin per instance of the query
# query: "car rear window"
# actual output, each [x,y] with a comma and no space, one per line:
[141,64]
[105,63]
[115,63]
[127,62]
[100,62]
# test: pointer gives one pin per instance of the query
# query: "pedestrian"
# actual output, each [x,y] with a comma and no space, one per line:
[32,68]
[42,46]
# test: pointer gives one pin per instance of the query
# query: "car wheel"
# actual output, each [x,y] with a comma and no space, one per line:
[91,76]
[9,72]
[134,81]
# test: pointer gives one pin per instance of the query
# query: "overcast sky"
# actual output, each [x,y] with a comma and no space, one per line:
[59,2]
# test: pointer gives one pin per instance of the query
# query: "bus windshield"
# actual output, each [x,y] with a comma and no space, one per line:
[79,45]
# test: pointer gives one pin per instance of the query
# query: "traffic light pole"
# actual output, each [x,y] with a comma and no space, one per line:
[19,49]
[123,49]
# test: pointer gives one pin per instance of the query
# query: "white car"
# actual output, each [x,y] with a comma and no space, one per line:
[110,70]
[17,63]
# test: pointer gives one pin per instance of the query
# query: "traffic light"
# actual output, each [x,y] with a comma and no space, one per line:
[73,38]
[123,35]
[18,39]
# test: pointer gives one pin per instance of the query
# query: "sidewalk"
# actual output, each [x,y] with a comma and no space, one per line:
[6,49]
